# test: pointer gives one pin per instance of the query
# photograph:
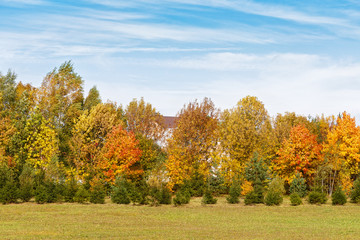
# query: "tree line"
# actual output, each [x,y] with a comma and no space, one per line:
[55,143]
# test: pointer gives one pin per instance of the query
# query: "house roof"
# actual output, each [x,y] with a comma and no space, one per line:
[170,122]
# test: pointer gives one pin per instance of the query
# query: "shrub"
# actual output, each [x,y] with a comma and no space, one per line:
[273,198]
[234,193]
[355,192]
[139,192]
[82,195]
[298,185]
[197,184]
[316,197]
[155,196]
[165,196]
[160,195]
[120,195]
[250,198]
[26,192]
[41,195]
[256,196]
[208,198]
[70,189]
[277,185]
[338,197]
[182,197]
[9,193]
[97,194]
[26,181]
[53,192]
[217,184]
[295,199]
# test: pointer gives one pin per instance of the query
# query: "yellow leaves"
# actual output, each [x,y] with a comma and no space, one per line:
[143,119]
[244,129]
[246,187]
[342,147]
[193,141]
[41,144]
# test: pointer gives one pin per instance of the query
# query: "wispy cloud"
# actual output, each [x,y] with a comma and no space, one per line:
[22,2]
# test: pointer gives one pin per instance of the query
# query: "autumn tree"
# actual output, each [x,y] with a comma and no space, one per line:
[149,128]
[7,93]
[283,123]
[41,142]
[193,142]
[142,118]
[342,150]
[300,153]
[92,99]
[25,103]
[60,100]
[245,129]
[60,89]
[121,155]
[88,137]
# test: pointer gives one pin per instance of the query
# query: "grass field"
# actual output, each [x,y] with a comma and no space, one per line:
[194,221]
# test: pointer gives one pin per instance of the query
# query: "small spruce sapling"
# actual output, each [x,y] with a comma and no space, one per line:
[338,197]
[295,199]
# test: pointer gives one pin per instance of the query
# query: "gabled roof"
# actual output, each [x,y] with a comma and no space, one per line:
[170,122]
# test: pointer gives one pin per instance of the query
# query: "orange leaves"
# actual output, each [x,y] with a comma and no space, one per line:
[300,153]
[342,147]
[121,155]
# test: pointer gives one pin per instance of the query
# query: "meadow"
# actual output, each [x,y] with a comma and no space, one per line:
[192,221]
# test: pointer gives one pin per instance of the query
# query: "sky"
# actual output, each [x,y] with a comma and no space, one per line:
[295,56]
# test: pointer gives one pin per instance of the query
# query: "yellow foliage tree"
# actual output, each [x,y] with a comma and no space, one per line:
[88,138]
[245,129]
[143,119]
[342,148]
[193,142]
[41,143]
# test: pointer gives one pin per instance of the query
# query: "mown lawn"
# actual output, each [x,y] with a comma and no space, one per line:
[194,221]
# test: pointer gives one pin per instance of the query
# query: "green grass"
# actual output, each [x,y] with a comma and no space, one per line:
[194,221]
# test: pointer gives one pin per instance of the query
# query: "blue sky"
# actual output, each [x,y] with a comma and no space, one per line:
[301,56]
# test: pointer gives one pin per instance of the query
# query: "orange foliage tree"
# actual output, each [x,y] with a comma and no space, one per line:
[300,153]
[121,155]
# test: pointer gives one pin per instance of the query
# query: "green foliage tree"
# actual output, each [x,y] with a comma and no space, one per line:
[92,99]
[182,196]
[234,193]
[208,197]
[256,169]
[71,188]
[26,182]
[355,192]
[298,185]
[9,193]
[338,197]
[295,199]
[120,192]
[97,194]
[82,195]
[316,197]
[274,195]
[257,195]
